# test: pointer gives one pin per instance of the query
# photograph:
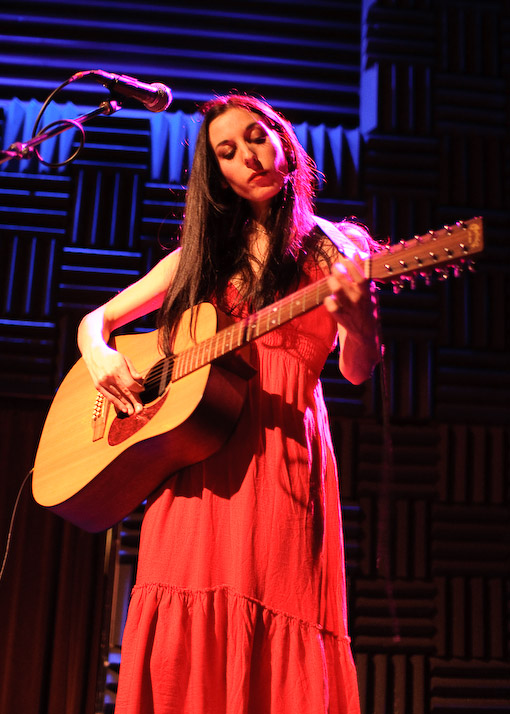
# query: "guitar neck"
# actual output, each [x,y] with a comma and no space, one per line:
[424,253]
[240,333]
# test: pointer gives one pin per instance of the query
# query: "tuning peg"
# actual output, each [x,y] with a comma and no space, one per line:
[442,274]
[408,280]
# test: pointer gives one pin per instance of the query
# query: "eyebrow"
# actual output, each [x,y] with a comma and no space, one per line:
[247,128]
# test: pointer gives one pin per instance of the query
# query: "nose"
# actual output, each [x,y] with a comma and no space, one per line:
[250,157]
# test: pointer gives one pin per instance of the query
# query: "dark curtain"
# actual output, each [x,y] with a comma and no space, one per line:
[52,591]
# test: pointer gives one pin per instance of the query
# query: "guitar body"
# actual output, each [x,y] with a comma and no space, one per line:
[95,477]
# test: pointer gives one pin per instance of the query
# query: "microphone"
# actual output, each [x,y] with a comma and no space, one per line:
[155,97]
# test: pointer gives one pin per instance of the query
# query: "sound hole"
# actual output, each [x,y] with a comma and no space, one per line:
[155,384]
[157,380]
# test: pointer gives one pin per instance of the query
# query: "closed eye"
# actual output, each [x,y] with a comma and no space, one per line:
[229,155]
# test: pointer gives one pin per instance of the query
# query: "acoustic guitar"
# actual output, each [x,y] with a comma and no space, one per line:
[94,466]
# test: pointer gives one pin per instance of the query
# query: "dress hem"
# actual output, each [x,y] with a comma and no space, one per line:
[149,587]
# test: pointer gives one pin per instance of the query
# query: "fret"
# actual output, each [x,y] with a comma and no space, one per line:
[242,333]
[251,328]
[199,353]
[317,293]
[177,371]
[233,338]
[213,349]
[192,358]
[185,362]
[224,342]
[208,353]
[272,318]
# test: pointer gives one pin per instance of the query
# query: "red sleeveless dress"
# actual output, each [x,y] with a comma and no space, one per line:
[239,604]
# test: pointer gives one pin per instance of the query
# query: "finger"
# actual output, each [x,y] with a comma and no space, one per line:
[341,279]
[337,280]
[121,397]
[136,384]
[347,280]
[333,305]
[350,269]
[130,399]
[343,289]
[113,396]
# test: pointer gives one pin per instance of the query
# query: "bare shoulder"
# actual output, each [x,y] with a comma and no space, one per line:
[345,238]
[167,266]
[158,279]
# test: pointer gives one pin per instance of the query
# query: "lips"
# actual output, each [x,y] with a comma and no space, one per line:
[257,174]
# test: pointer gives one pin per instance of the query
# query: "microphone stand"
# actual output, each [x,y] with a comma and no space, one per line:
[26,149]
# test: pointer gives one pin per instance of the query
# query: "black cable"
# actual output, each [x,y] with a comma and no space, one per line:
[46,102]
[11,524]
[53,94]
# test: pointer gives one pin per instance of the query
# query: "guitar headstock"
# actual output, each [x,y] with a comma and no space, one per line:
[431,252]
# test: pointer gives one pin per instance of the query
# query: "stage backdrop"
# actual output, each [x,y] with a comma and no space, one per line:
[405,107]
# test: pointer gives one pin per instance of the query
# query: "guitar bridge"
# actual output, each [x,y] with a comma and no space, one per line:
[99,415]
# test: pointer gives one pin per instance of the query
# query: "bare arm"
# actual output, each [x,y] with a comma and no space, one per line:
[113,374]
[351,303]
[353,308]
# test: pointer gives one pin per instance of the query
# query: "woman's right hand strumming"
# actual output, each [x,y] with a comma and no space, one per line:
[115,377]
[113,374]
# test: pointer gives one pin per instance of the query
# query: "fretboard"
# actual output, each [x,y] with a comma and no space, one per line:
[250,328]
[431,251]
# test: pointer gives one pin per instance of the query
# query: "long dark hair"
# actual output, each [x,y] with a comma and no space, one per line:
[214,230]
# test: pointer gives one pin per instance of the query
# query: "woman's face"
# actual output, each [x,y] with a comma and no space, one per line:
[250,156]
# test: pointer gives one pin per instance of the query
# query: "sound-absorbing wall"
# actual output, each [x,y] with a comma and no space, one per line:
[404,104]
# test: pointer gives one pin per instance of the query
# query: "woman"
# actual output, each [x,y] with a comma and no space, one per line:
[239,604]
